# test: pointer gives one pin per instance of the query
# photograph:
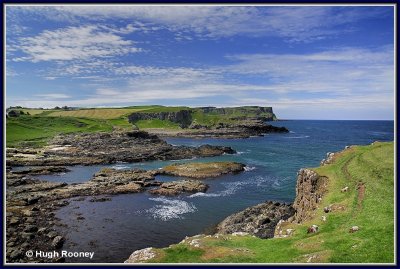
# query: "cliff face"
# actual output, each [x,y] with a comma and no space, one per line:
[266,220]
[183,117]
[262,113]
[309,191]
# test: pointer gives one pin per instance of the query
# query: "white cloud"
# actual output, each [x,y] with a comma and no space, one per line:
[74,43]
[53,96]
[294,23]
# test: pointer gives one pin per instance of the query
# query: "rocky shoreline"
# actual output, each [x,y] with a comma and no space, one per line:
[107,148]
[31,202]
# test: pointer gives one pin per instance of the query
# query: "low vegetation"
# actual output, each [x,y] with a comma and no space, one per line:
[371,208]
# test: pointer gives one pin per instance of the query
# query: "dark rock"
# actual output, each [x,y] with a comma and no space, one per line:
[100,199]
[51,234]
[259,220]
[30,228]
[16,254]
[313,229]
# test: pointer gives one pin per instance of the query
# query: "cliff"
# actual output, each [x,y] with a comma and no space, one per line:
[182,117]
[310,189]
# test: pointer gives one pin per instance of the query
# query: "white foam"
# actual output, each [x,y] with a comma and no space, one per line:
[302,136]
[170,208]
[120,167]
[233,187]
[249,168]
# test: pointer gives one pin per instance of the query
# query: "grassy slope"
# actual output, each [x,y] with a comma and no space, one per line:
[374,243]
[35,130]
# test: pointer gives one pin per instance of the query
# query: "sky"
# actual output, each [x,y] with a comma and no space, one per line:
[307,62]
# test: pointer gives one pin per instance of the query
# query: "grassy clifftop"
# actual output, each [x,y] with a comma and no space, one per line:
[371,208]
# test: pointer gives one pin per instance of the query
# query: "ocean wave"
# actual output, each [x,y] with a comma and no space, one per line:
[170,208]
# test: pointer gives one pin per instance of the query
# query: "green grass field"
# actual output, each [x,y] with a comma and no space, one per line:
[373,212]
[106,113]
[36,130]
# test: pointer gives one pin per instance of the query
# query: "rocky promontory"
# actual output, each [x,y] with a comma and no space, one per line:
[107,148]
[240,129]
[211,122]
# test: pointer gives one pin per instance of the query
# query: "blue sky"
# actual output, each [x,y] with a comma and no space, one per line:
[307,62]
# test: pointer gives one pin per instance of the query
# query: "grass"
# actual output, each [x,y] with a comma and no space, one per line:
[32,111]
[372,165]
[36,130]
[98,113]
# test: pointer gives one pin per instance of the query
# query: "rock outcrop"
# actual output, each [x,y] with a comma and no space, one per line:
[203,170]
[181,186]
[310,188]
[264,113]
[259,220]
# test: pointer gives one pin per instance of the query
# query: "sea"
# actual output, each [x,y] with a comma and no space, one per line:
[128,222]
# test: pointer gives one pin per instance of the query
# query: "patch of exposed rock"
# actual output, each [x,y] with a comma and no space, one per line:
[259,220]
[178,187]
[141,255]
[107,181]
[203,170]
[310,188]
[106,148]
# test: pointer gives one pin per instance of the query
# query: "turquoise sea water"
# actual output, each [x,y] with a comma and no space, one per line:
[114,229]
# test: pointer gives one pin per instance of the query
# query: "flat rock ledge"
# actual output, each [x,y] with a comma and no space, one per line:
[178,187]
[203,170]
